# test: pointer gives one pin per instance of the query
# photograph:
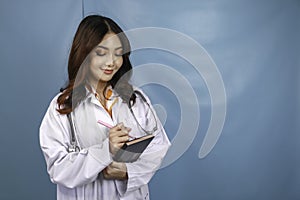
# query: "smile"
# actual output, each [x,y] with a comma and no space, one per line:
[108,71]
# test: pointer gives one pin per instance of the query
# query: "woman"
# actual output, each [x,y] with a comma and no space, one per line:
[98,89]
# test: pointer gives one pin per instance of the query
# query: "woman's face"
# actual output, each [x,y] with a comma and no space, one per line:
[105,59]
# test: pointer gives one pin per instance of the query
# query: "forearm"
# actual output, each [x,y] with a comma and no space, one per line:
[141,171]
[75,169]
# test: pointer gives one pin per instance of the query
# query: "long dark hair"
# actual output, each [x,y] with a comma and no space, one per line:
[89,34]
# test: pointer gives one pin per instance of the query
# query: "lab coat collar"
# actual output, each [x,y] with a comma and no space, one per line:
[90,95]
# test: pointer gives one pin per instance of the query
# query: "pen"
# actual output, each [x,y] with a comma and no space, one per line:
[105,124]
[110,126]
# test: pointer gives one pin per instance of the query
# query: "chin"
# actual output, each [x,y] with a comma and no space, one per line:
[105,79]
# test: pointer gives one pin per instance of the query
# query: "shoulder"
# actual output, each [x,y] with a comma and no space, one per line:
[52,118]
[139,91]
[53,105]
[142,98]
[54,100]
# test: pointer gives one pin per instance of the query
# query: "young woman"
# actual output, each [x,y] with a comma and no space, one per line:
[79,152]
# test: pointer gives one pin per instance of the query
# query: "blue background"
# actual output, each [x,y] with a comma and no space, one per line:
[255,45]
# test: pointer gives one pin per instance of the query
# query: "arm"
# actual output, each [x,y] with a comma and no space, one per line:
[118,135]
[69,169]
[116,170]
[141,171]
[131,176]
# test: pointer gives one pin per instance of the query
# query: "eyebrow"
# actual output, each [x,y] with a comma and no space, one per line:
[106,48]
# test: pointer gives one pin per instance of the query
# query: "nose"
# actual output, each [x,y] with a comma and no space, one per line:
[110,60]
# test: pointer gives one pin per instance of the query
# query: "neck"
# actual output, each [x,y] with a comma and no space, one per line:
[100,87]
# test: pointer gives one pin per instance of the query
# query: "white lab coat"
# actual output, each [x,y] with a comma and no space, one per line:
[78,174]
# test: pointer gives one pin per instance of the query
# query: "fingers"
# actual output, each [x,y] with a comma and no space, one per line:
[117,165]
[120,129]
[108,173]
[115,170]
[118,135]
[119,139]
[117,127]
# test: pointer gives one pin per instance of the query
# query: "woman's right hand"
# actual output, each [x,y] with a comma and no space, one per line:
[118,135]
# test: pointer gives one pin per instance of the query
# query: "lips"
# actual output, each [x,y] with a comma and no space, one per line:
[108,71]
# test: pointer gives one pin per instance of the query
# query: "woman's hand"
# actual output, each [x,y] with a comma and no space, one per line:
[115,170]
[118,135]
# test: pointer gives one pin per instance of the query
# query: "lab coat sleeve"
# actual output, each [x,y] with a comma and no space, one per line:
[69,169]
[141,171]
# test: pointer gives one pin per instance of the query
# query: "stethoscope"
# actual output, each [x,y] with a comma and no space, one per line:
[73,143]
[130,105]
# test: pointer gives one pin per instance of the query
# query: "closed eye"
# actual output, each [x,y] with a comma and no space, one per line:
[119,51]
[100,53]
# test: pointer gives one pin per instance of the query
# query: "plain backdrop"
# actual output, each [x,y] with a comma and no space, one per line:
[255,45]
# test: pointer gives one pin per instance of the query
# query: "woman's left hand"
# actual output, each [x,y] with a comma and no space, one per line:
[116,170]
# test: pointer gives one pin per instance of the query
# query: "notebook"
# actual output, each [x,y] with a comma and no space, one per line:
[132,149]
